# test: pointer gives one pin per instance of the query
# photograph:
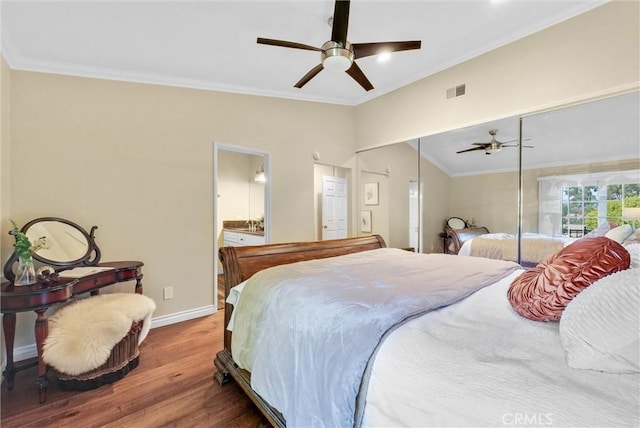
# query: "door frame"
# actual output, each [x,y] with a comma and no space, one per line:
[267,199]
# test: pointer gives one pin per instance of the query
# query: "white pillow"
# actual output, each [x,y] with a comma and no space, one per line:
[634,252]
[634,238]
[620,233]
[600,327]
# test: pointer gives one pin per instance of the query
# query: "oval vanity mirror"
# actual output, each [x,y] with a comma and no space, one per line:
[456,223]
[68,244]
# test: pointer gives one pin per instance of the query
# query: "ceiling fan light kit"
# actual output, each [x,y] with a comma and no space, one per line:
[493,148]
[338,54]
[335,57]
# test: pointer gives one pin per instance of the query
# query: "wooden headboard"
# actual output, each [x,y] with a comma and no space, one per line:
[459,236]
[240,263]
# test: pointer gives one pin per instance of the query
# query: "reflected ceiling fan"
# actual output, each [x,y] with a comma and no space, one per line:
[338,54]
[493,146]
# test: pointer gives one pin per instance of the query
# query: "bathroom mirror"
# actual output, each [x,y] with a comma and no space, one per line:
[68,244]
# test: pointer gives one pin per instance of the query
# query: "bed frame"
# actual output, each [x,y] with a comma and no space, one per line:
[460,236]
[240,263]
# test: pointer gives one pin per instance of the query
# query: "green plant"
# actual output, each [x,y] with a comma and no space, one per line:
[23,247]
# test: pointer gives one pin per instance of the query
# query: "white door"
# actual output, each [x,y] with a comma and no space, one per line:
[334,207]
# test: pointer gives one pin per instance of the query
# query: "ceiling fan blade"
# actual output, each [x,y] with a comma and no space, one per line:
[515,145]
[310,75]
[357,74]
[513,141]
[285,44]
[361,50]
[340,22]
[471,150]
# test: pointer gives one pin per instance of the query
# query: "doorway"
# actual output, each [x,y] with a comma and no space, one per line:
[241,185]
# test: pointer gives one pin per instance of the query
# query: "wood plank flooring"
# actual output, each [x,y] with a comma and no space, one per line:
[172,387]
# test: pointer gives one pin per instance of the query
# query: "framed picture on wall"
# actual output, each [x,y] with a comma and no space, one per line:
[365,221]
[371,193]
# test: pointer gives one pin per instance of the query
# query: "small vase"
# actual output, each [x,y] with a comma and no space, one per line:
[26,272]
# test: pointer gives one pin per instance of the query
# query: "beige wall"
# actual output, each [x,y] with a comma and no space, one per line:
[5,170]
[436,192]
[137,160]
[490,199]
[595,53]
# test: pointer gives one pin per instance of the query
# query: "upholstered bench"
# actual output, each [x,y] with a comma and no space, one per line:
[95,340]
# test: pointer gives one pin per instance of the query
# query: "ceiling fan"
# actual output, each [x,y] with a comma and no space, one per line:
[338,54]
[493,146]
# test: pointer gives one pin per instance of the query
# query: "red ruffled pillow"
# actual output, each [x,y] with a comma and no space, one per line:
[541,293]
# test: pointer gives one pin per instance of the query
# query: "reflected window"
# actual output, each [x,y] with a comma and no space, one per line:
[579,210]
[619,196]
[585,201]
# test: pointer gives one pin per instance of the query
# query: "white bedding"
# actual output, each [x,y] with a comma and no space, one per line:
[535,247]
[477,363]
[306,331]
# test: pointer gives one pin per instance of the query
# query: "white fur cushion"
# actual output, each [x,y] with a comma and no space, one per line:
[83,333]
[620,233]
[600,327]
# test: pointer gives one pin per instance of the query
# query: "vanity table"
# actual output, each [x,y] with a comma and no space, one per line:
[39,297]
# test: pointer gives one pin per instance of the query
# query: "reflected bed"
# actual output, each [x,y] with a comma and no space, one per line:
[535,247]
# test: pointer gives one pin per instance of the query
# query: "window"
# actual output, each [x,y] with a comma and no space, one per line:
[574,205]
[620,196]
[579,204]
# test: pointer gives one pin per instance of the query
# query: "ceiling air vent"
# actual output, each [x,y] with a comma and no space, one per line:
[456,91]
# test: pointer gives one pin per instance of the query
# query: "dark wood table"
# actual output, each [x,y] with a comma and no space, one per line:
[40,297]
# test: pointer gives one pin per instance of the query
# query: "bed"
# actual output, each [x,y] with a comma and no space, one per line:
[535,247]
[465,359]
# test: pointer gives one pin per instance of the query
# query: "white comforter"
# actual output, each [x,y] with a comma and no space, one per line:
[535,247]
[477,363]
[307,330]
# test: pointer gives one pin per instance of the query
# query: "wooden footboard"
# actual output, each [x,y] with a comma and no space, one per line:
[240,263]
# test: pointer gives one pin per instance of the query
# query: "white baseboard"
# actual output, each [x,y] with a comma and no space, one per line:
[183,316]
[29,351]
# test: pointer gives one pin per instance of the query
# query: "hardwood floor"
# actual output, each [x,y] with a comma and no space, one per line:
[172,387]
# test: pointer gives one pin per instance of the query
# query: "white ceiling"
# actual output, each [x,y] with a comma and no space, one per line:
[604,130]
[212,44]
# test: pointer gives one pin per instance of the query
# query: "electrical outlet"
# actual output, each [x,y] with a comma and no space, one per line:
[167,293]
